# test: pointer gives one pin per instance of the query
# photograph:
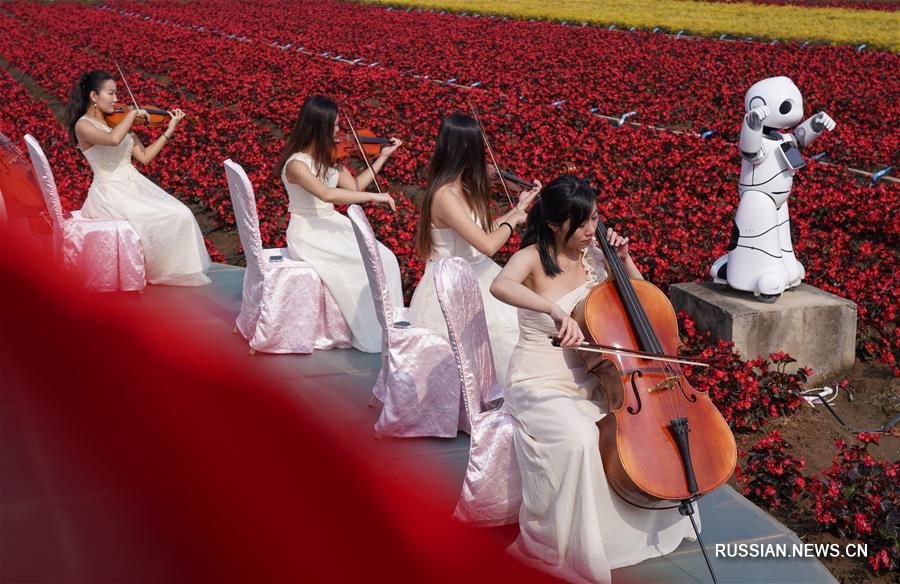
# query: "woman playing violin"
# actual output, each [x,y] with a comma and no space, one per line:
[456,220]
[571,523]
[174,251]
[318,234]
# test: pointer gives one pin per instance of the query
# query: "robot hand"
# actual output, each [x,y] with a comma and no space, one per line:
[755,117]
[821,121]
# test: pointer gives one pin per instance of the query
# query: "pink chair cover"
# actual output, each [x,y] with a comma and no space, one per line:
[106,253]
[492,489]
[417,384]
[286,307]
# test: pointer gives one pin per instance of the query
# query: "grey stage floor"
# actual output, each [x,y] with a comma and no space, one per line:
[338,384]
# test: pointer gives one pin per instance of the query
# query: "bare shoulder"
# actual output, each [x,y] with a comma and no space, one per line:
[530,252]
[446,194]
[524,266]
[294,169]
[446,203]
[527,257]
[82,124]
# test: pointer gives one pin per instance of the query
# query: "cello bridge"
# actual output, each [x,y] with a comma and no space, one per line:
[667,383]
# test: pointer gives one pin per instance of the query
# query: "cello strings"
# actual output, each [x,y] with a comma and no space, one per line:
[645,334]
[628,297]
[675,404]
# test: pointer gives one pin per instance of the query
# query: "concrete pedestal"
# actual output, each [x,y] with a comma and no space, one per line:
[816,328]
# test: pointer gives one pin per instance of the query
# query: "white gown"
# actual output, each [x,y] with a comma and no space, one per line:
[323,237]
[571,523]
[174,252]
[502,321]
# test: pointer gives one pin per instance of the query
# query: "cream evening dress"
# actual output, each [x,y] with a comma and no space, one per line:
[502,321]
[571,524]
[323,237]
[174,251]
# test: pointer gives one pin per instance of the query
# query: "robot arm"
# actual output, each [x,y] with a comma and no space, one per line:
[751,134]
[806,133]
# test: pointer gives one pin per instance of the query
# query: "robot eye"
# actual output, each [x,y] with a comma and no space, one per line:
[756,102]
[785,106]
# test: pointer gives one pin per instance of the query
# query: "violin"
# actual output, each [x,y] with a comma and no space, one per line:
[510,182]
[663,443]
[157,117]
[366,144]
[515,184]
[345,145]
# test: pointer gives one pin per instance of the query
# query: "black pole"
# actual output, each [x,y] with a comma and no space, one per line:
[687,508]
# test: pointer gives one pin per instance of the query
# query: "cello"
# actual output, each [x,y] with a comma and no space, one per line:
[663,443]
[648,457]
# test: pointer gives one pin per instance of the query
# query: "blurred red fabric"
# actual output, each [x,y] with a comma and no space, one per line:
[219,472]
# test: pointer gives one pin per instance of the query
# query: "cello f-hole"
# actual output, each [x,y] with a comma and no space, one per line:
[691,398]
[637,395]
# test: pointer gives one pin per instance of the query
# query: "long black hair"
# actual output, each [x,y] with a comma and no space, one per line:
[80,97]
[565,197]
[313,130]
[459,152]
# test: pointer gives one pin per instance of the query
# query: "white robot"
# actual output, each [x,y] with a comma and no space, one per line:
[760,255]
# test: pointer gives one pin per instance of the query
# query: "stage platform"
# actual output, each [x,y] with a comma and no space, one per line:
[337,385]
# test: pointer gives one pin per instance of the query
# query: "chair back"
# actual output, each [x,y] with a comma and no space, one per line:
[368,247]
[47,184]
[461,303]
[243,200]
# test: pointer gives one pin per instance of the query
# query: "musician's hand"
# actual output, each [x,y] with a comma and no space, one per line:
[568,331]
[386,199]
[388,150]
[175,116]
[527,197]
[618,243]
[141,113]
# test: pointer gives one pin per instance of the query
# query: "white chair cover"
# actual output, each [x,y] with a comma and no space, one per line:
[105,253]
[492,488]
[285,306]
[417,384]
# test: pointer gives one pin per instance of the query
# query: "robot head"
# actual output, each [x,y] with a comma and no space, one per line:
[782,98]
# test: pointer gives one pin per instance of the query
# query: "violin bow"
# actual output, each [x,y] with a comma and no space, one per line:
[363,152]
[125,81]
[591,348]
[491,152]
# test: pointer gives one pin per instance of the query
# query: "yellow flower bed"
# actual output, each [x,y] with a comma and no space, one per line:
[878,29]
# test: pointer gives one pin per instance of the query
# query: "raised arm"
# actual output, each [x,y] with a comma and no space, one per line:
[449,209]
[620,246]
[812,128]
[88,133]
[520,211]
[509,287]
[145,154]
[752,148]
[299,173]
[361,182]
